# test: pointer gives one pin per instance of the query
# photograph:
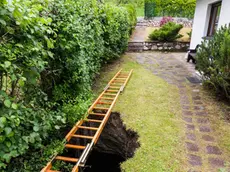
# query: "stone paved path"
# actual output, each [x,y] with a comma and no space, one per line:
[203,152]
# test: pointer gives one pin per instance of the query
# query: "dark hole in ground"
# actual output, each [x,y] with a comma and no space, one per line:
[115,145]
[103,162]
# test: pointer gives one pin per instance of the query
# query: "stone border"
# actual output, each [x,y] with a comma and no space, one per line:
[158,46]
[155,22]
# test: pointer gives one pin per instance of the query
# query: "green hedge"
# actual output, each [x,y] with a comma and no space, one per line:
[213,61]
[175,8]
[50,52]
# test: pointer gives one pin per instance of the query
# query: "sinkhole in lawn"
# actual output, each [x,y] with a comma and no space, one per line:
[103,162]
[115,145]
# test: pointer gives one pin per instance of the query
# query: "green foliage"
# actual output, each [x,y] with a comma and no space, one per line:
[50,52]
[150,9]
[213,61]
[189,34]
[25,45]
[118,25]
[168,32]
[176,8]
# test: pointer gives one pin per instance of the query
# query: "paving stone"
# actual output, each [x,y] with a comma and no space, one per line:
[195,160]
[187,119]
[184,101]
[205,129]
[199,107]
[193,170]
[213,150]
[208,138]
[181,86]
[187,113]
[216,162]
[192,147]
[203,113]
[183,92]
[190,127]
[185,107]
[203,120]
[184,97]
[191,136]
[197,102]
[196,98]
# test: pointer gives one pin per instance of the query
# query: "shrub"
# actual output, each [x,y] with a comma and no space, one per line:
[168,32]
[50,52]
[132,16]
[213,61]
[165,20]
[117,27]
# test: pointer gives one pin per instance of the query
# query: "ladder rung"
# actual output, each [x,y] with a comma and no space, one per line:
[62,158]
[98,114]
[112,91]
[101,108]
[104,103]
[118,81]
[120,78]
[82,136]
[125,75]
[92,120]
[110,94]
[88,128]
[114,87]
[107,98]
[74,146]
[117,84]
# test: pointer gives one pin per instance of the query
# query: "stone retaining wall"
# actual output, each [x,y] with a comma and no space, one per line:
[158,46]
[155,22]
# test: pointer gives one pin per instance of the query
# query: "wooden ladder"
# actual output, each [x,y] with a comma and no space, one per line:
[97,116]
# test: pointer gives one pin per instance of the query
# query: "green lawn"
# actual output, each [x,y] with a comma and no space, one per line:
[150,107]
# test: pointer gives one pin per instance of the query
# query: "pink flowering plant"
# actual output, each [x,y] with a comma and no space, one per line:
[165,20]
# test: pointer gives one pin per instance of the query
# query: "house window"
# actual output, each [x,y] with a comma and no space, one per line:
[214,18]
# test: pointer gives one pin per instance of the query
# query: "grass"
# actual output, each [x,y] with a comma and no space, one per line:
[219,123]
[150,107]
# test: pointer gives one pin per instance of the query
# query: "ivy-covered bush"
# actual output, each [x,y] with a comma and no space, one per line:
[168,32]
[50,52]
[213,61]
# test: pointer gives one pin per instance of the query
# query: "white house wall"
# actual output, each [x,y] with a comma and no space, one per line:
[201,19]
[225,13]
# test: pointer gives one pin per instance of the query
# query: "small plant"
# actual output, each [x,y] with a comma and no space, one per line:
[165,20]
[213,61]
[168,32]
[189,34]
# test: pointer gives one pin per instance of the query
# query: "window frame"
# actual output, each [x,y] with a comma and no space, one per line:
[212,19]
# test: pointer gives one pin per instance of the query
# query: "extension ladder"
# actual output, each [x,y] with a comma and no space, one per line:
[93,124]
